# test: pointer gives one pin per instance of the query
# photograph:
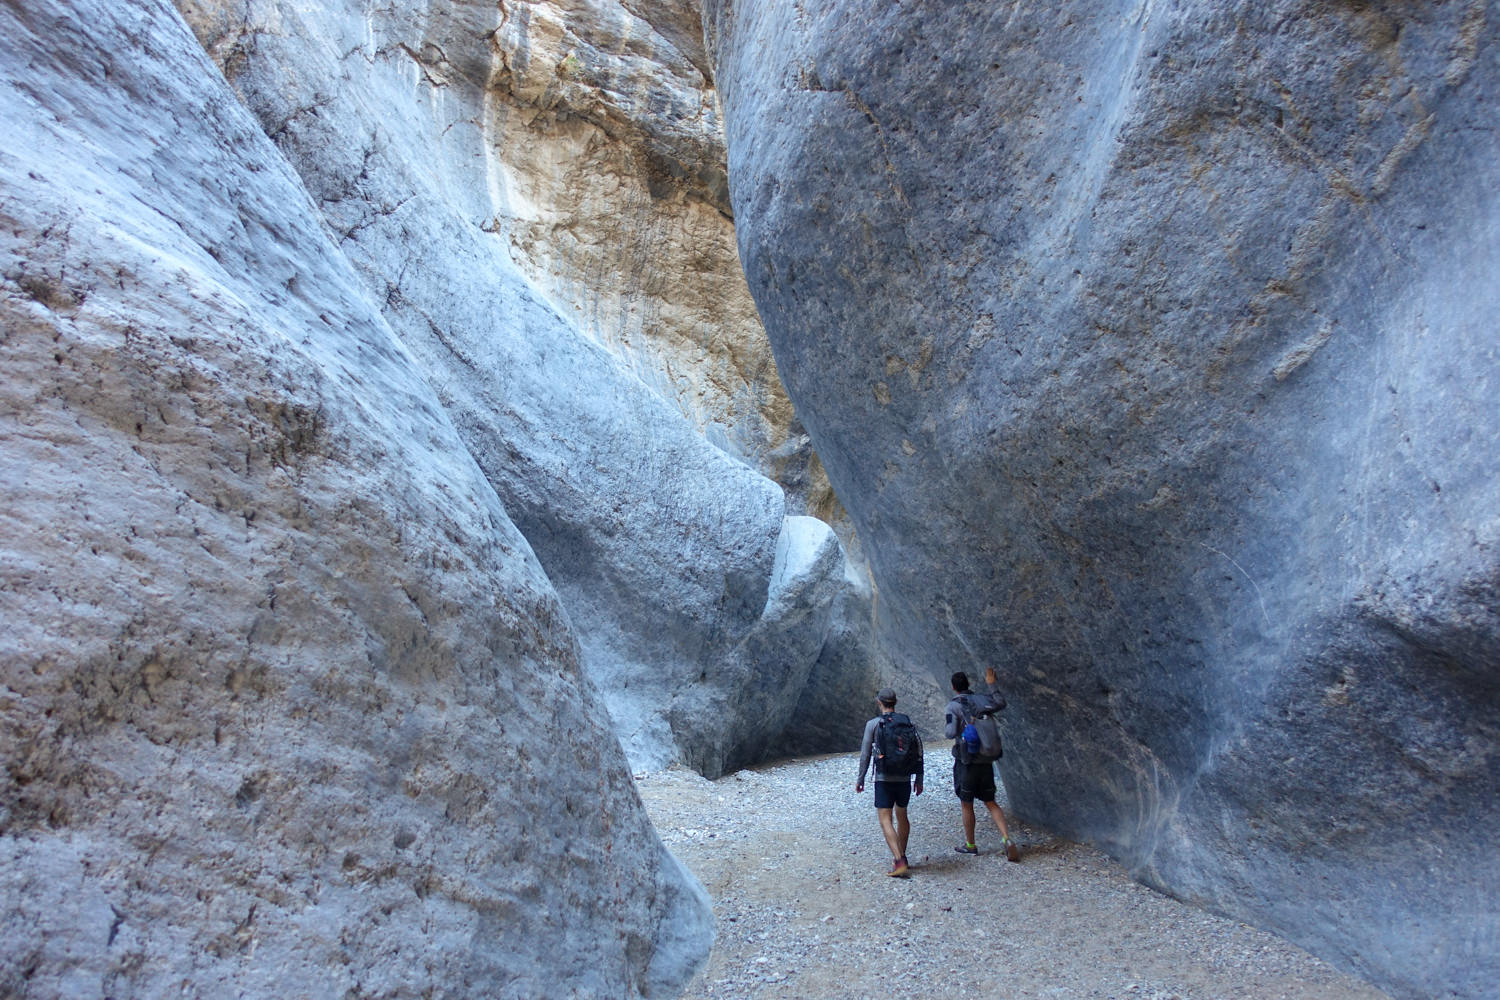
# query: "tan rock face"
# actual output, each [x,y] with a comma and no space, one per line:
[608,177]
[607,180]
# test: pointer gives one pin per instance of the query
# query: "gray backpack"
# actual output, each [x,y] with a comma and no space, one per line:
[980,737]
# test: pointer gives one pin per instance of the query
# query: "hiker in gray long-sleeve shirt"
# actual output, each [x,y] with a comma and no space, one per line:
[892,743]
[975,778]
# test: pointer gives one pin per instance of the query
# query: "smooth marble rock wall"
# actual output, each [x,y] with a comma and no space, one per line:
[1152,349]
[661,545]
[288,702]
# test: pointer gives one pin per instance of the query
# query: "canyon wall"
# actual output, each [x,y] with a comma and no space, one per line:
[288,701]
[1151,349]
[442,144]
[328,525]
[386,437]
[609,174]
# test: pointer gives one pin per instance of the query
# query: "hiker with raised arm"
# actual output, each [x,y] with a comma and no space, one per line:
[970,724]
[892,744]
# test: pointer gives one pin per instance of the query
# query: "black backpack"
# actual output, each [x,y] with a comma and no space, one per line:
[898,748]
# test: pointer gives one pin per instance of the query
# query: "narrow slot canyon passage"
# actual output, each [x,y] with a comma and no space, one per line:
[462,462]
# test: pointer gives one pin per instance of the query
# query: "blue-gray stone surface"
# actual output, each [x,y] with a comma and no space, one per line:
[1152,349]
[661,546]
[288,704]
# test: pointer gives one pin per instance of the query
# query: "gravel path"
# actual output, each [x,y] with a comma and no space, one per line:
[795,864]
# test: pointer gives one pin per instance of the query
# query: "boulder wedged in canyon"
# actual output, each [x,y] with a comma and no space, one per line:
[1151,349]
[403,124]
[288,702]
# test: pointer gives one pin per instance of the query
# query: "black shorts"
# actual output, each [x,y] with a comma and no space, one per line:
[974,782]
[892,794]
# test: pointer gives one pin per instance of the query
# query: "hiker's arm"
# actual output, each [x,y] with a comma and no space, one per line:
[952,721]
[996,698]
[921,760]
[865,745]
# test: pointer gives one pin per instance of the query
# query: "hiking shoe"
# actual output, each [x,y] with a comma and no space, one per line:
[967,849]
[899,869]
[1012,852]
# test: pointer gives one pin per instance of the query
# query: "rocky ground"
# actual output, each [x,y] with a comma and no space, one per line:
[795,863]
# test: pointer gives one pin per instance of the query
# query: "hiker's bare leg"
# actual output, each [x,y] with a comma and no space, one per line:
[968,811]
[889,829]
[903,830]
[998,815]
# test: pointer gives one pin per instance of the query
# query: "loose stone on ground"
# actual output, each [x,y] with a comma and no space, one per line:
[795,864]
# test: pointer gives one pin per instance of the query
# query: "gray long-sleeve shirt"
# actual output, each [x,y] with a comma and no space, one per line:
[867,750]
